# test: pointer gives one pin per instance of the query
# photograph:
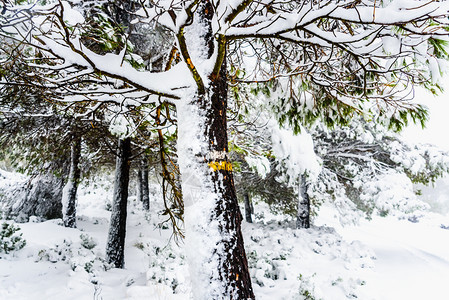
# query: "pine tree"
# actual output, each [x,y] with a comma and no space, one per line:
[310,38]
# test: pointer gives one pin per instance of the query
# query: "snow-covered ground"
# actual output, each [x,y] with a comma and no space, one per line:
[385,258]
[412,258]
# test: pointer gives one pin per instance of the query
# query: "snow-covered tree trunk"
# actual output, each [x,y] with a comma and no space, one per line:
[303,214]
[214,241]
[144,185]
[117,228]
[248,208]
[70,188]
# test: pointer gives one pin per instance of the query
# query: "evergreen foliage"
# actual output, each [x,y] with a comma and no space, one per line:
[9,240]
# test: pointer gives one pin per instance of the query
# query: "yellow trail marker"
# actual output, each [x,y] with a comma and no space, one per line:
[220,165]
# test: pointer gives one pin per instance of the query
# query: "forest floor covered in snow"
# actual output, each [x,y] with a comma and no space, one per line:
[385,258]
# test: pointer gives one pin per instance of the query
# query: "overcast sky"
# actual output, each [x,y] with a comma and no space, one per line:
[437,129]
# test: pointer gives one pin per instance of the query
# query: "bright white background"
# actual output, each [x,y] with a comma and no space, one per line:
[436,132]
[437,128]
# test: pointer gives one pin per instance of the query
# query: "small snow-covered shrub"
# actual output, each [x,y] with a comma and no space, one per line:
[167,265]
[392,193]
[139,245]
[108,206]
[60,252]
[306,288]
[79,256]
[309,264]
[9,241]
[87,241]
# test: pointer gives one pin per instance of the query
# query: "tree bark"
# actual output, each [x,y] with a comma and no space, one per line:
[303,214]
[71,187]
[233,270]
[117,228]
[214,241]
[139,185]
[144,187]
[248,208]
[212,218]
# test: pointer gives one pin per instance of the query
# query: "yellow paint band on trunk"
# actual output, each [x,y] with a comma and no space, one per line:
[220,165]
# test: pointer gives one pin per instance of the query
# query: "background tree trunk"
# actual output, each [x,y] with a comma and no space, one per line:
[69,191]
[139,185]
[117,228]
[248,208]
[303,215]
[144,187]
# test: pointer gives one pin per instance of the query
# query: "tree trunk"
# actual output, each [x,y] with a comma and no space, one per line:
[303,214]
[69,191]
[214,241]
[139,185]
[117,228]
[144,187]
[248,208]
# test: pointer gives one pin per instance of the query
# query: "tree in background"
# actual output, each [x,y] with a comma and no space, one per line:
[272,165]
[360,167]
[365,169]
[34,140]
[70,188]
[115,246]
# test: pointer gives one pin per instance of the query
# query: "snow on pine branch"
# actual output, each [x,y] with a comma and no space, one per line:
[378,38]
[278,17]
[59,45]
[346,49]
